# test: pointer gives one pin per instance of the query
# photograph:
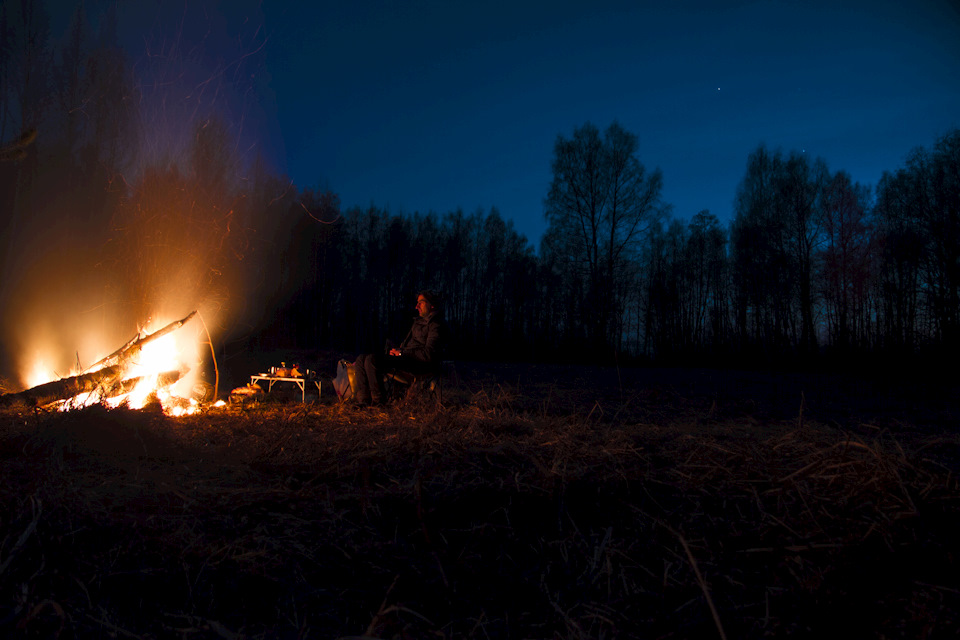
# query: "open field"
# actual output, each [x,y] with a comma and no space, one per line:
[539,502]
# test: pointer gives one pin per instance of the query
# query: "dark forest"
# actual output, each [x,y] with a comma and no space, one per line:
[812,264]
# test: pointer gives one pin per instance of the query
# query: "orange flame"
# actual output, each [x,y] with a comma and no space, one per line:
[176,351]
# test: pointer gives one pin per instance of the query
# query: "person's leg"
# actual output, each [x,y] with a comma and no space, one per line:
[375,372]
[372,370]
[363,385]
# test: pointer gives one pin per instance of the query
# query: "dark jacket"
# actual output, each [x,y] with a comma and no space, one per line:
[426,340]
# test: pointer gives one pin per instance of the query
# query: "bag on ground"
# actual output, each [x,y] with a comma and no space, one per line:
[345,382]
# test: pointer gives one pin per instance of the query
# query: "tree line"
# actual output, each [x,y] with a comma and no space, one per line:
[811,264]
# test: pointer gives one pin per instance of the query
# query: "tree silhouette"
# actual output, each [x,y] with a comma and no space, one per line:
[706,271]
[601,200]
[940,174]
[847,262]
[762,279]
[800,193]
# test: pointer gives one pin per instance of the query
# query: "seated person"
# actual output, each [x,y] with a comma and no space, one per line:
[420,352]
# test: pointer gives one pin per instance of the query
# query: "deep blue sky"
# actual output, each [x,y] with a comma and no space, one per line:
[431,105]
[436,105]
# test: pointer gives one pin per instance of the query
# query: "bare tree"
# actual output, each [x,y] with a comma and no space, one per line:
[901,246]
[761,278]
[600,202]
[705,265]
[800,191]
[919,231]
[775,234]
[846,260]
[25,69]
[942,224]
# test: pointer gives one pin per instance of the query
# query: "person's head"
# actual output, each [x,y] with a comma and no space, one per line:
[428,302]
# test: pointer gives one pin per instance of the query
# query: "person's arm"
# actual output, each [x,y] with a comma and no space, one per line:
[429,349]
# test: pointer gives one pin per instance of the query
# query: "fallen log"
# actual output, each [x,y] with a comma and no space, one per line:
[48,392]
[106,382]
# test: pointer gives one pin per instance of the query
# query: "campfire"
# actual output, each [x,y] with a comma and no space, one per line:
[150,368]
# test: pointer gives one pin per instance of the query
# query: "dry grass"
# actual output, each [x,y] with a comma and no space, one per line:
[516,512]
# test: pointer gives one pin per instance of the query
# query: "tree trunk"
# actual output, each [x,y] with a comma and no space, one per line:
[64,388]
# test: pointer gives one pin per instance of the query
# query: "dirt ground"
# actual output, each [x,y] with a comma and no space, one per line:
[535,502]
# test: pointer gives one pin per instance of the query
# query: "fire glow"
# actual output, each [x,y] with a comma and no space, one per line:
[154,359]
[159,367]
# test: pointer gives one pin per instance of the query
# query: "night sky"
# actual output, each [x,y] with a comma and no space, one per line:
[437,105]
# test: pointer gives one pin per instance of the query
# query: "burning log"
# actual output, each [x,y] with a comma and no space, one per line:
[164,380]
[106,381]
[135,344]
[64,388]
[109,379]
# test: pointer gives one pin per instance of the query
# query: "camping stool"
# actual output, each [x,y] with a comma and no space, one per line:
[430,382]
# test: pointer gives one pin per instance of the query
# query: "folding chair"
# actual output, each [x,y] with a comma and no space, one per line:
[415,383]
